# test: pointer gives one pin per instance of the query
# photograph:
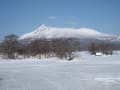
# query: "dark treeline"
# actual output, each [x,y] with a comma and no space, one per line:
[62,48]
[11,48]
[104,48]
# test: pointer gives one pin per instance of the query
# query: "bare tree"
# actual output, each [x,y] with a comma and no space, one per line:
[10,46]
[93,48]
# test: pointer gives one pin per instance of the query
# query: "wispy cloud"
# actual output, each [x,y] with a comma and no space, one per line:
[52,17]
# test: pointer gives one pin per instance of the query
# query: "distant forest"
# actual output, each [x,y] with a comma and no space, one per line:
[12,48]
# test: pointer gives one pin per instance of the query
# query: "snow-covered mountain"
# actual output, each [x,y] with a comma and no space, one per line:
[52,32]
[84,35]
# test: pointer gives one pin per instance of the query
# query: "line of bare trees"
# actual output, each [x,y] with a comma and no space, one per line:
[62,48]
[104,48]
[11,48]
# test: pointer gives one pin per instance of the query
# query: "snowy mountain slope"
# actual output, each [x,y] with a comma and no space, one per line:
[52,32]
[117,38]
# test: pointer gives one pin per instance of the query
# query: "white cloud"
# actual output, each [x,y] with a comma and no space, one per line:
[52,17]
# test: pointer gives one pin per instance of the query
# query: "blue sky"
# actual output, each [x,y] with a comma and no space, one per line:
[22,16]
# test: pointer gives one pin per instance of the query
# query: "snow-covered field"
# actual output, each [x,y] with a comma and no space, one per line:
[86,72]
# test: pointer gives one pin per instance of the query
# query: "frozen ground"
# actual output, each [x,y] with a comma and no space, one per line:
[86,72]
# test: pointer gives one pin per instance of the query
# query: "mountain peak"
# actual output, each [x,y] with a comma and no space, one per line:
[42,27]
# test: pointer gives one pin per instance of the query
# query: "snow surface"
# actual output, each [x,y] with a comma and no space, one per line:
[85,72]
[52,32]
